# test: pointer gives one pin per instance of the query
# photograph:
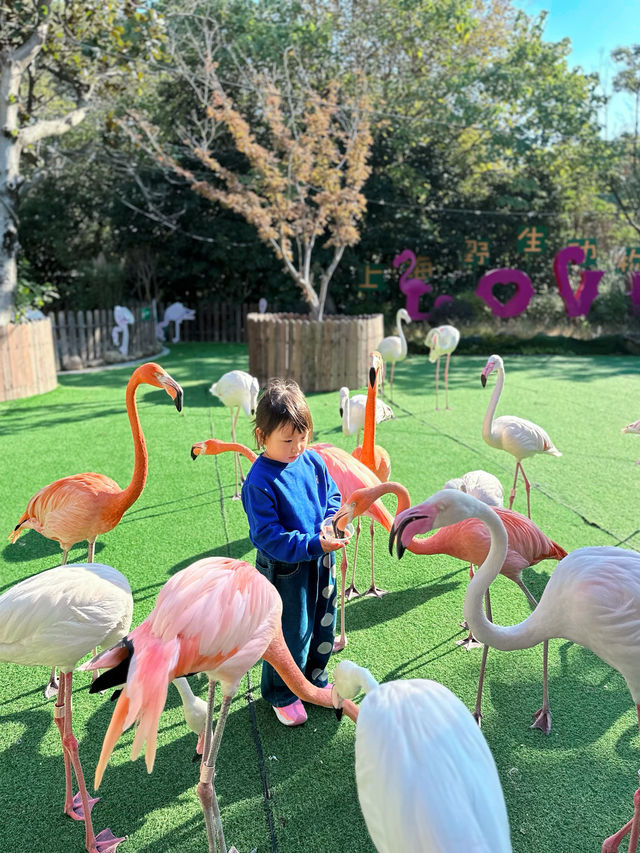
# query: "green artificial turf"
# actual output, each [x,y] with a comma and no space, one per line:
[565,792]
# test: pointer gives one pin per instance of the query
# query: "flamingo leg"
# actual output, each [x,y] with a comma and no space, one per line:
[512,493]
[351,591]
[477,711]
[206,789]
[610,845]
[542,717]
[393,367]
[446,381]
[341,641]
[52,687]
[528,489]
[437,372]
[469,641]
[91,550]
[81,805]
[236,461]
[373,589]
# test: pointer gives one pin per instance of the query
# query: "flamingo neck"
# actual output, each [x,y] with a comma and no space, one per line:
[487,423]
[505,638]
[369,436]
[366,681]
[132,492]
[239,448]
[389,488]
[278,655]
[403,340]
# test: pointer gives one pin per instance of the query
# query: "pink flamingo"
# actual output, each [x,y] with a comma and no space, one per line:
[84,506]
[442,340]
[349,474]
[592,598]
[633,429]
[55,618]
[218,616]
[369,453]
[519,437]
[470,541]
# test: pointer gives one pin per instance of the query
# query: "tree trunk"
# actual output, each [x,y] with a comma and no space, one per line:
[9,182]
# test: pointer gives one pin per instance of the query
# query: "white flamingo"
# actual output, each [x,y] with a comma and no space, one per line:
[352,411]
[519,437]
[427,781]
[238,390]
[592,598]
[394,348]
[442,340]
[55,618]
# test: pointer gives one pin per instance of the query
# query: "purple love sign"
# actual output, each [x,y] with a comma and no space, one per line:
[635,291]
[506,275]
[578,303]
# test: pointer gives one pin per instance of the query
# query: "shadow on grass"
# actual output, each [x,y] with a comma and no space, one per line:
[364,612]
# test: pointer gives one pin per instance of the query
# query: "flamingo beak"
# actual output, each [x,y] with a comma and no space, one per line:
[344,512]
[196,449]
[483,380]
[172,388]
[372,377]
[395,534]
[336,701]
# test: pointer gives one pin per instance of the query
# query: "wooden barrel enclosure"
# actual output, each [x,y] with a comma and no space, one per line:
[319,355]
[27,359]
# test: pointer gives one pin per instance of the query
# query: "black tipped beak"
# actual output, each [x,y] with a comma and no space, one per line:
[483,380]
[341,411]
[372,377]
[338,713]
[178,399]
[194,455]
[115,695]
[396,534]
[392,538]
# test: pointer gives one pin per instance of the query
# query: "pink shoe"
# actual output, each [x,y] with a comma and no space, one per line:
[291,715]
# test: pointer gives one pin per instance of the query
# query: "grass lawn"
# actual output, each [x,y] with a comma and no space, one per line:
[565,792]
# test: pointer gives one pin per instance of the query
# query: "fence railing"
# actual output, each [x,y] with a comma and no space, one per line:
[84,338]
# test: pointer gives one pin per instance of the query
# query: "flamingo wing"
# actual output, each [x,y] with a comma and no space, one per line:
[522,438]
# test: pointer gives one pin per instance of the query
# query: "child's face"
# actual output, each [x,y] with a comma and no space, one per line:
[285,444]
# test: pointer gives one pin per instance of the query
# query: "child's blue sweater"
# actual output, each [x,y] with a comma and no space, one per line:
[286,505]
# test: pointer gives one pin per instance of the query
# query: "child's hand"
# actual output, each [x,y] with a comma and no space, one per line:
[329,543]
[328,538]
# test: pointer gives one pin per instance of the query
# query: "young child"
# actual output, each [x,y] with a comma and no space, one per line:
[287,494]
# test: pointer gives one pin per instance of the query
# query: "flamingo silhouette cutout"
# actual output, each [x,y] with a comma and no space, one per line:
[124,318]
[175,312]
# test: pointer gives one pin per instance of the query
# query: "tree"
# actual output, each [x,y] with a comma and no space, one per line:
[625,182]
[56,61]
[303,154]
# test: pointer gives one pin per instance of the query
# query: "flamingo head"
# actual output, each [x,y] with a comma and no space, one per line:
[152,374]
[494,362]
[348,680]
[344,399]
[447,506]
[210,447]
[376,365]
[403,314]
[254,391]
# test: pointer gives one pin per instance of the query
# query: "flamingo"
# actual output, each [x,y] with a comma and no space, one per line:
[352,410]
[592,598]
[237,389]
[633,428]
[218,616]
[442,340]
[55,618]
[426,778]
[348,473]
[470,541]
[519,437]
[369,453]
[394,347]
[83,506]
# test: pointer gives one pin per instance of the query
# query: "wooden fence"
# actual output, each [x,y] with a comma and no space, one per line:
[27,365]
[84,338]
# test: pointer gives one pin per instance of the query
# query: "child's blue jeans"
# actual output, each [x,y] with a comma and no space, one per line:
[308,592]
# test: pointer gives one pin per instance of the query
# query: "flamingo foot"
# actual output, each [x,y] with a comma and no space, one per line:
[339,643]
[51,689]
[469,643]
[76,809]
[376,591]
[464,624]
[542,720]
[106,842]
[351,592]
[236,497]
[477,716]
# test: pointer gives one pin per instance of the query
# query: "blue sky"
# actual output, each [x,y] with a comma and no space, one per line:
[595,28]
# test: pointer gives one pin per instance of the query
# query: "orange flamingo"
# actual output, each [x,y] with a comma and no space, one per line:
[83,506]
[369,453]
[348,473]
[218,616]
[470,540]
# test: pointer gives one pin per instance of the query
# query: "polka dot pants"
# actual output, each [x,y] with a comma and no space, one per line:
[308,592]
